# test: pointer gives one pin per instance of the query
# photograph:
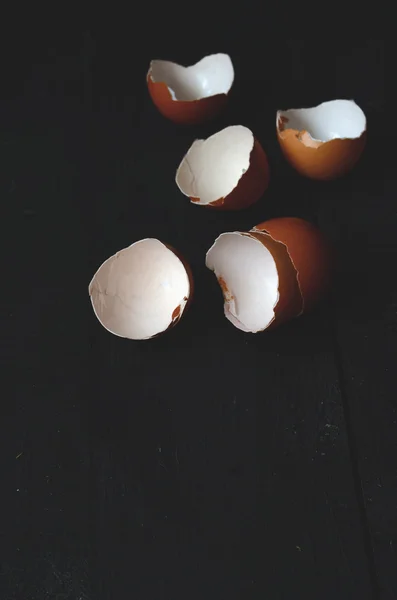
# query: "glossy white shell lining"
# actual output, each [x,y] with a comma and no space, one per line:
[212,75]
[213,167]
[336,119]
[136,292]
[249,271]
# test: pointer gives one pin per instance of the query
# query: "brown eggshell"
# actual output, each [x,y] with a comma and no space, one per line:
[290,302]
[227,171]
[251,186]
[185,112]
[310,254]
[194,94]
[316,159]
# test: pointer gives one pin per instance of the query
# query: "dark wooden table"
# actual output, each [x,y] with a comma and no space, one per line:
[206,463]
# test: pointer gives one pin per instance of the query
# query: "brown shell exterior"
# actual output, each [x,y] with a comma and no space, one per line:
[318,160]
[181,111]
[289,304]
[310,253]
[251,186]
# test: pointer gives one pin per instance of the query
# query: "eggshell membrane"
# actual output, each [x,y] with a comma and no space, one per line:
[257,279]
[310,253]
[227,171]
[324,142]
[141,291]
[193,94]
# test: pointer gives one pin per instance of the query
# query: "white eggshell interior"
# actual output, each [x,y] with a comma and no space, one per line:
[250,274]
[336,119]
[212,75]
[213,167]
[135,292]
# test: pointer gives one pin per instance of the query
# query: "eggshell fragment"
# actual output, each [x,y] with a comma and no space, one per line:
[191,94]
[310,253]
[271,274]
[323,142]
[141,291]
[228,171]
[257,279]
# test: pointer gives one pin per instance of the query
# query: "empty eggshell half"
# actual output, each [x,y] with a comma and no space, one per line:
[191,94]
[141,291]
[309,251]
[257,279]
[271,274]
[228,171]
[324,142]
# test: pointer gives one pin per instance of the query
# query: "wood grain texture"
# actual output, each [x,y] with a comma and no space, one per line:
[205,463]
[360,216]
[365,312]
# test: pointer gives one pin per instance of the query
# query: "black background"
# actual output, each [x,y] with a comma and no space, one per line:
[206,463]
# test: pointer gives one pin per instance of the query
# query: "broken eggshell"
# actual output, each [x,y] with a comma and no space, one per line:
[265,277]
[309,251]
[228,171]
[142,290]
[323,142]
[257,279]
[193,94]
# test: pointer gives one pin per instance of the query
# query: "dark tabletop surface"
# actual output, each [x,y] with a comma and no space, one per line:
[206,463]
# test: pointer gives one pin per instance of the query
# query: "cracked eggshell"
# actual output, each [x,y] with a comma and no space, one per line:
[257,279]
[323,142]
[193,94]
[227,171]
[142,290]
[309,251]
